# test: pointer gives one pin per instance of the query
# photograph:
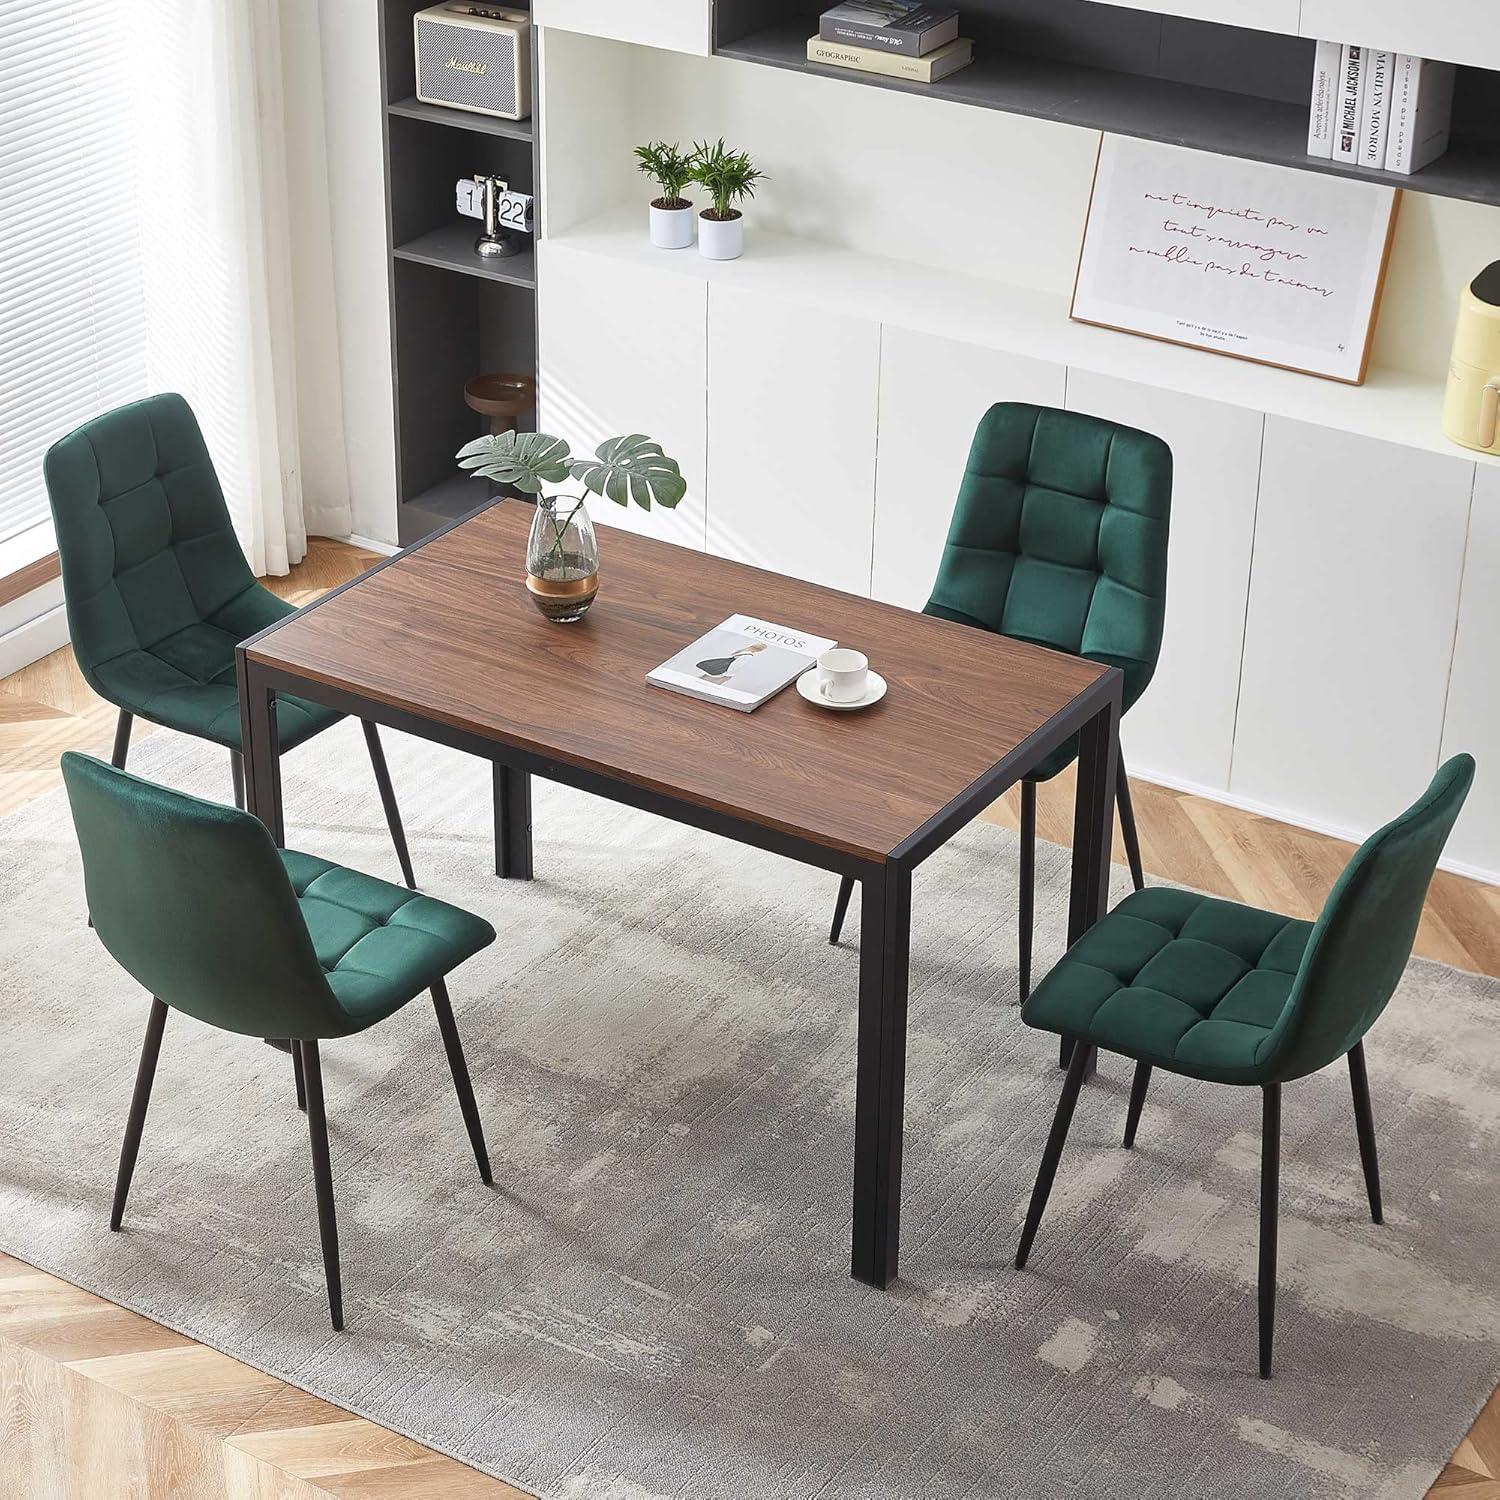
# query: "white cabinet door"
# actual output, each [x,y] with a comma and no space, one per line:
[678,25]
[1182,730]
[791,446]
[1466,31]
[1349,635]
[1473,719]
[623,349]
[933,391]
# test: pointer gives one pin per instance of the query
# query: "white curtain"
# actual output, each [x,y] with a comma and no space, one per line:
[217,220]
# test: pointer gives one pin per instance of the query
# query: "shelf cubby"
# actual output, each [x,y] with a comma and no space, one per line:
[1186,82]
[412,108]
[454,314]
[451,248]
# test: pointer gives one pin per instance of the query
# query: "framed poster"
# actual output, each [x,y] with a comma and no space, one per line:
[1261,262]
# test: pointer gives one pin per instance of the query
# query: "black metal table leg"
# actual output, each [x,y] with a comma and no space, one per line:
[512,823]
[259,746]
[1093,826]
[260,756]
[1026,915]
[880,1083]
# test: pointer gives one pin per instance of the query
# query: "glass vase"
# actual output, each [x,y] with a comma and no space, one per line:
[562,559]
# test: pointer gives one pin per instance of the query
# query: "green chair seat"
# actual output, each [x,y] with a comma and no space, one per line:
[186,680]
[379,945]
[1179,980]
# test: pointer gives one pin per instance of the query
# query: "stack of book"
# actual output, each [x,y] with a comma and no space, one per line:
[1385,111]
[904,39]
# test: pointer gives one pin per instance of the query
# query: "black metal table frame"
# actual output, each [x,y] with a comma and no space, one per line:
[885,885]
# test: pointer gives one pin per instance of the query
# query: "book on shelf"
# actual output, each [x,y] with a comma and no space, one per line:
[929,68]
[1325,90]
[1375,107]
[904,26]
[1350,104]
[1421,113]
[740,663]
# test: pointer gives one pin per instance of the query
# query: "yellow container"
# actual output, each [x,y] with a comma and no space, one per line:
[1471,409]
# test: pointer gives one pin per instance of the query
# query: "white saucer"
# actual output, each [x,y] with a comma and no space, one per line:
[807,685]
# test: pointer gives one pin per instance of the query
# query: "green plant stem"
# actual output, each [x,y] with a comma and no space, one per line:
[559,533]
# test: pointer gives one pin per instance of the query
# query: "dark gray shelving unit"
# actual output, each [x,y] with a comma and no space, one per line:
[454,314]
[1189,83]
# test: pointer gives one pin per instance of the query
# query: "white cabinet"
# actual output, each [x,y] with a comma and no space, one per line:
[933,392]
[1182,730]
[1349,635]
[1466,31]
[791,448]
[623,349]
[678,25]
[1472,722]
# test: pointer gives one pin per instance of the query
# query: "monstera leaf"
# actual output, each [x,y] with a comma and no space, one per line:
[524,460]
[631,468]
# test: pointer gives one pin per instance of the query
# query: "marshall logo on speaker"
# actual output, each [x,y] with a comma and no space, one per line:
[474,57]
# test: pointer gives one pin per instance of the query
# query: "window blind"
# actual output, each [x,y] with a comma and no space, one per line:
[72,303]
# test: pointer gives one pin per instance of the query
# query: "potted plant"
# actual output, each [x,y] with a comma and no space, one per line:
[728,177]
[562,552]
[671,214]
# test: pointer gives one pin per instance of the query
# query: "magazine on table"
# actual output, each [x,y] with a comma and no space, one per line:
[740,663]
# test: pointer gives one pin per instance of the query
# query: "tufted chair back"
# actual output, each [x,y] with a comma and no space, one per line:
[147,551]
[1059,538]
[1357,951]
[192,900]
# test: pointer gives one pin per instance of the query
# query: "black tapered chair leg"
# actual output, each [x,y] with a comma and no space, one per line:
[1364,1125]
[144,1074]
[317,1131]
[840,907]
[298,1077]
[237,776]
[122,740]
[1026,919]
[1053,1152]
[388,801]
[1127,826]
[1270,1191]
[460,1070]
[1138,1086]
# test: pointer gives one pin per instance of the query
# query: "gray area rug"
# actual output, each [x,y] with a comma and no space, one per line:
[654,1300]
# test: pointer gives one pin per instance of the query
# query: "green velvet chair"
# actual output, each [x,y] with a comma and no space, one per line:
[1232,994]
[195,902]
[158,592]
[1059,538]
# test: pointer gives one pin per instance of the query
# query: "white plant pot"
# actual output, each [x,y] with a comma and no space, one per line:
[721,239]
[672,228]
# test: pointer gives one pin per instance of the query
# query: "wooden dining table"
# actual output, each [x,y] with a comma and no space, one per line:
[442,641]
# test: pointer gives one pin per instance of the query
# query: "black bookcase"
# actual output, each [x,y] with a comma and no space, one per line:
[1190,83]
[454,314]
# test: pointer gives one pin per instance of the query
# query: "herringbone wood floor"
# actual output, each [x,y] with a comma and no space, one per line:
[96,1401]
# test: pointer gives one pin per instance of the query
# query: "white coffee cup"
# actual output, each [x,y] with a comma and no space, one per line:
[843,675]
